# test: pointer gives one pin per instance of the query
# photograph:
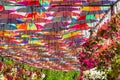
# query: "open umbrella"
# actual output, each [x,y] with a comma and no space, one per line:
[92,8]
[70,34]
[29,3]
[80,27]
[62,8]
[90,16]
[1,8]
[28,26]
[31,9]
[11,21]
[65,13]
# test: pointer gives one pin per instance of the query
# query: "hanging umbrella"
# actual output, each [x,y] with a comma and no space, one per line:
[24,41]
[29,3]
[55,29]
[36,15]
[44,3]
[29,26]
[93,12]
[32,15]
[2,8]
[90,16]
[65,13]
[92,8]
[6,2]
[9,7]
[13,15]
[10,21]
[85,21]
[7,11]
[55,24]
[41,20]
[99,3]
[105,7]
[80,27]
[12,26]
[37,42]
[62,8]
[31,9]
[39,26]
[70,34]
[4,26]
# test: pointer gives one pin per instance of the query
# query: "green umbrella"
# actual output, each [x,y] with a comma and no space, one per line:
[90,17]
[8,7]
[104,7]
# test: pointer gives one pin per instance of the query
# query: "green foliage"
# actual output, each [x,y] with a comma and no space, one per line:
[118,50]
[115,66]
[61,75]
[8,62]
[26,66]
[49,74]
[102,32]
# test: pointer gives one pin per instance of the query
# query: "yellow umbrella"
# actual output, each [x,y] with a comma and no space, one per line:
[38,42]
[25,36]
[90,8]
[71,34]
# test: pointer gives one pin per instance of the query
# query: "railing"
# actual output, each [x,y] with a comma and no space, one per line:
[116,7]
[107,17]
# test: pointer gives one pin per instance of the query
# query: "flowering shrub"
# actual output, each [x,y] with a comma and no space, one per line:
[101,49]
[17,71]
[94,74]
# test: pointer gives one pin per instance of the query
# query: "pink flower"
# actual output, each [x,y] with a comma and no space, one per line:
[80,77]
[118,25]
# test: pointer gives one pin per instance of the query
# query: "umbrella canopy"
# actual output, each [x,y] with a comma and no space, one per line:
[29,3]
[29,26]
[62,8]
[70,34]
[11,21]
[88,8]
[90,16]
[1,8]
[48,34]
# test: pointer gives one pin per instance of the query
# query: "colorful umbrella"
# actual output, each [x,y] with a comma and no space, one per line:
[70,34]
[28,26]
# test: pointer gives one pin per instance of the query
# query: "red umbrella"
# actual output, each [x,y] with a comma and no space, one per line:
[29,2]
[80,26]
[40,20]
[1,8]
[82,18]
[65,13]
[32,15]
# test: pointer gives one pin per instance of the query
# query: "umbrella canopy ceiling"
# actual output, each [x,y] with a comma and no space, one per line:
[49,33]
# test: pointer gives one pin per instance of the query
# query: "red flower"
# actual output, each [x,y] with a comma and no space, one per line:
[0,65]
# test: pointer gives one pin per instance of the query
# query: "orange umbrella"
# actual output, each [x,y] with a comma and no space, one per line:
[22,26]
[32,15]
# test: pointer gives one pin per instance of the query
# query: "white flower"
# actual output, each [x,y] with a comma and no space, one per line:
[43,76]
[94,74]
[34,76]
[2,77]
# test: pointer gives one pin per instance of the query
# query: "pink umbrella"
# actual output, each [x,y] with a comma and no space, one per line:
[39,27]
[80,27]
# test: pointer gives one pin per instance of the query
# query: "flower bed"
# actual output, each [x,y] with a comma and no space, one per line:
[103,50]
